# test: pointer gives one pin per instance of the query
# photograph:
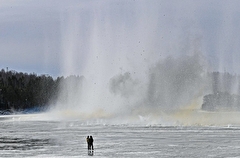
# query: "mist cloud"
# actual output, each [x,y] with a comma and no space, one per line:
[123,85]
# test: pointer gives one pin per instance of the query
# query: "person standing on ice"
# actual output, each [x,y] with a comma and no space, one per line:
[88,142]
[91,143]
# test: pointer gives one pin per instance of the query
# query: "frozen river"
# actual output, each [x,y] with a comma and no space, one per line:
[46,138]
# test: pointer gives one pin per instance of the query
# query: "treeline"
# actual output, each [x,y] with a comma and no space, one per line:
[20,91]
[221,101]
[225,94]
[225,82]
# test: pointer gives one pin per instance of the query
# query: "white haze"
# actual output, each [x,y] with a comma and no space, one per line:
[137,63]
[63,37]
[137,59]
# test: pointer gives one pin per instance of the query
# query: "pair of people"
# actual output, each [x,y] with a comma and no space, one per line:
[90,142]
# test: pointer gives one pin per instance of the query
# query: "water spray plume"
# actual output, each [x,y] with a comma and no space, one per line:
[125,75]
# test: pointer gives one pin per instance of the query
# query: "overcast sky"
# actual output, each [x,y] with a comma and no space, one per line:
[63,37]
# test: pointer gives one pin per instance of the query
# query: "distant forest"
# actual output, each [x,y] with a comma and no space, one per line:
[22,91]
[225,95]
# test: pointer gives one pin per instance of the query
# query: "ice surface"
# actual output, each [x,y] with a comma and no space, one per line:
[46,138]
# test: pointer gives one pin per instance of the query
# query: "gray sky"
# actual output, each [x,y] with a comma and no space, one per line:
[63,37]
